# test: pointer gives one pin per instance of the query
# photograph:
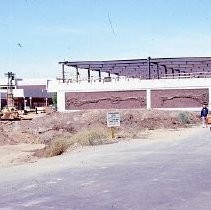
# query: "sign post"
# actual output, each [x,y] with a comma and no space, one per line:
[113,120]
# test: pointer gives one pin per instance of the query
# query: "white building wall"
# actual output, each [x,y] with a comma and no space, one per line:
[18,93]
[61,101]
[128,84]
[131,84]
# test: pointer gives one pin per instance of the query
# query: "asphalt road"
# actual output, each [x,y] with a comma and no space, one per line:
[151,175]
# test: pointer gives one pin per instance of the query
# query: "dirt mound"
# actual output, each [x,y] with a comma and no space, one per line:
[5,139]
[46,128]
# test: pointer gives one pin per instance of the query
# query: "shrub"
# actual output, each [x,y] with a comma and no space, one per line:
[83,138]
[183,118]
[57,147]
[90,137]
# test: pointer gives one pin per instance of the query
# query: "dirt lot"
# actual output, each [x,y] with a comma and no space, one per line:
[26,136]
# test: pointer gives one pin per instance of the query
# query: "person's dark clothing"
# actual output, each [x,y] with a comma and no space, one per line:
[204,112]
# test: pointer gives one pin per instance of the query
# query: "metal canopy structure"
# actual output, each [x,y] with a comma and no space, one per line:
[150,68]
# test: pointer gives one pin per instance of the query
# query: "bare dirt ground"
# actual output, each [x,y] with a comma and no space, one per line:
[11,155]
[139,174]
[18,154]
[20,139]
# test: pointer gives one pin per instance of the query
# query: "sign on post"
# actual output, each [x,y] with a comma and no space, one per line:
[113,119]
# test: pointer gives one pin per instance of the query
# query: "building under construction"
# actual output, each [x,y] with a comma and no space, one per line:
[150,68]
[158,83]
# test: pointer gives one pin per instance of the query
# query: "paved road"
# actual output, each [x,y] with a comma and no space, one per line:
[151,175]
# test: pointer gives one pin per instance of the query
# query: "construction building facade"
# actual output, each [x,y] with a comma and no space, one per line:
[152,83]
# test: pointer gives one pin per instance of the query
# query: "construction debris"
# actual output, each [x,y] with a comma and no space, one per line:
[10,114]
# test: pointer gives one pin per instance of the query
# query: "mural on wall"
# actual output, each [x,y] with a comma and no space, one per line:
[180,98]
[106,100]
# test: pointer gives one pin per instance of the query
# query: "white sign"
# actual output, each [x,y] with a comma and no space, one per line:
[113,119]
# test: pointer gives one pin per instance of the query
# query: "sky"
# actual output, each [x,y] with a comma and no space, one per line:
[36,34]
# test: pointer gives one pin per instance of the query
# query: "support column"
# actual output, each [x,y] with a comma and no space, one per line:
[46,102]
[117,76]
[25,101]
[149,68]
[89,75]
[77,74]
[173,72]
[63,75]
[99,75]
[149,99]
[158,73]
[30,102]
[109,73]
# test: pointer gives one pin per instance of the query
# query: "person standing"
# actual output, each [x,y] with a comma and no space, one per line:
[204,113]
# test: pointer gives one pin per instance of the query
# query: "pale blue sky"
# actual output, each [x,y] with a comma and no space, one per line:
[50,31]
